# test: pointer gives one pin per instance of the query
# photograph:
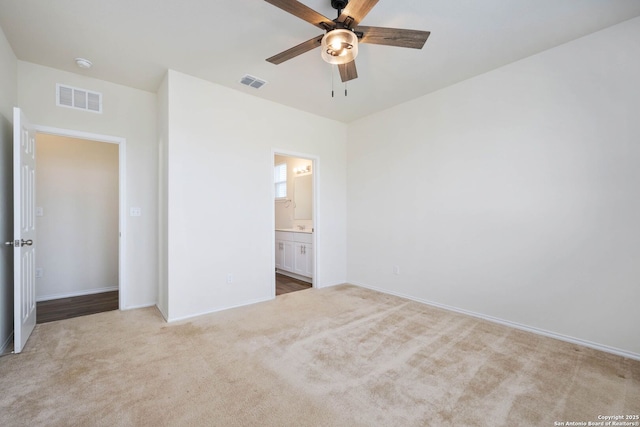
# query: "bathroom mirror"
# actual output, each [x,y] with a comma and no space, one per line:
[303,192]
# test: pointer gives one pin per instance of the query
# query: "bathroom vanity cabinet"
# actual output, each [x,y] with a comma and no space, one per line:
[294,253]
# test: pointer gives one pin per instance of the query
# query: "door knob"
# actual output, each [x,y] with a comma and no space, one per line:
[8,243]
[26,242]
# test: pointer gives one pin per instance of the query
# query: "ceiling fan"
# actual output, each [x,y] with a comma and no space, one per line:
[340,42]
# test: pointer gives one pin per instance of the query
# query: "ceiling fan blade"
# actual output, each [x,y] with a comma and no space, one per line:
[296,50]
[414,39]
[304,12]
[348,71]
[356,10]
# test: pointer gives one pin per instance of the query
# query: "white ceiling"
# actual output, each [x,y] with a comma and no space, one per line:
[134,42]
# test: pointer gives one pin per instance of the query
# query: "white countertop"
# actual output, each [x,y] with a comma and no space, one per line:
[296,230]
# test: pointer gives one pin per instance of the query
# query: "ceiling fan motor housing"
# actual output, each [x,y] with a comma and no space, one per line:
[339,4]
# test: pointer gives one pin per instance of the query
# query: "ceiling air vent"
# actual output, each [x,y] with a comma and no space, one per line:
[254,82]
[81,99]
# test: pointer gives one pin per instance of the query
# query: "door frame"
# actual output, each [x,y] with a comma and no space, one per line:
[122,196]
[315,168]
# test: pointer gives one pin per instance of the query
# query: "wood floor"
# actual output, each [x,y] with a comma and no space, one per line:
[286,284]
[66,308]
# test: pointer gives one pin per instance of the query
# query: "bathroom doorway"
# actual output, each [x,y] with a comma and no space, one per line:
[294,222]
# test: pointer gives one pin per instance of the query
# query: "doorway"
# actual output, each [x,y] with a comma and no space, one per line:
[80,222]
[295,222]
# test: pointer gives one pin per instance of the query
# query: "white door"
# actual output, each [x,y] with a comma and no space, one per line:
[24,229]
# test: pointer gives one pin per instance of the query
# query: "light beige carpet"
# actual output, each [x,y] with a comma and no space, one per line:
[343,356]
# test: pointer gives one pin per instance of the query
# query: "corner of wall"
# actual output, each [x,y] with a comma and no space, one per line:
[8,99]
[163,196]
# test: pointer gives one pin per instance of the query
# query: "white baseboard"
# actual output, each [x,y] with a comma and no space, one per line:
[515,325]
[6,344]
[135,307]
[191,316]
[76,293]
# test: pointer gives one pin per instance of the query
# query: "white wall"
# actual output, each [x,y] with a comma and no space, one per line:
[513,194]
[77,189]
[220,189]
[8,100]
[127,113]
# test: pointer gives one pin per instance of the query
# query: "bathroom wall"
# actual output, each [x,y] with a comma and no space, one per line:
[285,209]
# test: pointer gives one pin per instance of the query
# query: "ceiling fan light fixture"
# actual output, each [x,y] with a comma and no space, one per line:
[339,46]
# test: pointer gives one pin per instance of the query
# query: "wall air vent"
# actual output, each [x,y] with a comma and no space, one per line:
[82,99]
[254,82]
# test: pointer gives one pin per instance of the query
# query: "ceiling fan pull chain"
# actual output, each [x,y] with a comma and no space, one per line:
[332,85]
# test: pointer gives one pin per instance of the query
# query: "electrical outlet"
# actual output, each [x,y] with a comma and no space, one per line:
[396,270]
[39,272]
[229,278]
[135,211]
[39,211]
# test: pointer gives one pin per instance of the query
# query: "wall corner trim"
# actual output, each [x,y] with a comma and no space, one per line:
[6,344]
